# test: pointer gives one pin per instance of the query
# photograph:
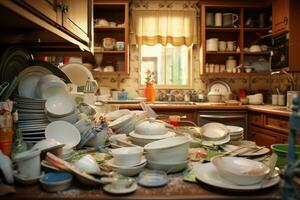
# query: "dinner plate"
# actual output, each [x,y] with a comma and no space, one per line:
[124,190]
[220,86]
[235,129]
[77,73]
[207,173]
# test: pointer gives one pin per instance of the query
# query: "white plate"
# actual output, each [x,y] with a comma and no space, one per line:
[207,173]
[229,147]
[28,80]
[235,129]
[121,121]
[125,190]
[63,132]
[220,86]
[218,142]
[77,73]
[111,163]
[154,137]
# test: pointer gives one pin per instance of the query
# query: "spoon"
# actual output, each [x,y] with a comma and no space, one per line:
[277,91]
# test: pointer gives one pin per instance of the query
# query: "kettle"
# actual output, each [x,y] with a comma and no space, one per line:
[90,86]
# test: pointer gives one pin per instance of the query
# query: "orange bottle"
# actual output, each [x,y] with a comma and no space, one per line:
[150,92]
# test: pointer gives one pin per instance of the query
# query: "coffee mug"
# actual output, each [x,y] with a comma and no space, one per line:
[222,45]
[120,45]
[210,19]
[218,19]
[229,19]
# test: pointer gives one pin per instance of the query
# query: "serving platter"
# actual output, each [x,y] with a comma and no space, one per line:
[221,86]
[208,174]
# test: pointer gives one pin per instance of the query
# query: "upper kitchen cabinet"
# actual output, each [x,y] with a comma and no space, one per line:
[58,24]
[233,36]
[280,18]
[111,36]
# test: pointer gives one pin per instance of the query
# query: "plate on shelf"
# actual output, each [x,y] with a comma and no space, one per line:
[208,174]
[221,86]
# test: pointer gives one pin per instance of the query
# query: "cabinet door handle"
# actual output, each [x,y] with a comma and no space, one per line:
[222,116]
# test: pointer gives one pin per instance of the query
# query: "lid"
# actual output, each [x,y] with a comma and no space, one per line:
[151,127]
[27,155]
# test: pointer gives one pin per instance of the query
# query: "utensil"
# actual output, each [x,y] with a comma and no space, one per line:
[3,87]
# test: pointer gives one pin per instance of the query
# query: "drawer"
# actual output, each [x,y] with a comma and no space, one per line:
[256,118]
[277,123]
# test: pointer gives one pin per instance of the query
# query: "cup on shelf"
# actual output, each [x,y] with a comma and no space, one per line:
[109,43]
[212,44]
[209,19]
[222,46]
[230,45]
[218,19]
[120,45]
[211,68]
[229,19]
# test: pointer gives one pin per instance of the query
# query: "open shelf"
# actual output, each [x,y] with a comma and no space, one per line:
[108,52]
[222,53]
[222,29]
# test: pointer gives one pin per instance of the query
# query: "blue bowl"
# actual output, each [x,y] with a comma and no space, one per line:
[58,181]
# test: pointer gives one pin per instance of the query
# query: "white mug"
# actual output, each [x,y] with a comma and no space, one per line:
[281,100]
[222,45]
[274,99]
[218,19]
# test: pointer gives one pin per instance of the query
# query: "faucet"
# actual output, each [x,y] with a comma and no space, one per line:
[171,97]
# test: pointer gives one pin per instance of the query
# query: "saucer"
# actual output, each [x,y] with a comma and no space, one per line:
[208,174]
[153,178]
[111,163]
[124,190]
[25,180]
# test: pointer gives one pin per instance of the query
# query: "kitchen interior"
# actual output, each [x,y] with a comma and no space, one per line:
[139,99]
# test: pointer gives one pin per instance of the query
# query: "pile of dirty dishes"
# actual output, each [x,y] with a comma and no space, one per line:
[169,155]
[215,133]
[236,133]
[61,107]
[128,161]
[149,131]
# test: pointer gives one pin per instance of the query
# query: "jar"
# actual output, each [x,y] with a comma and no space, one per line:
[230,64]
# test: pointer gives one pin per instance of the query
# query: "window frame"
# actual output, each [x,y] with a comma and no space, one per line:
[189,84]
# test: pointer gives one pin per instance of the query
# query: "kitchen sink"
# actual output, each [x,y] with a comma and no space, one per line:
[174,102]
[282,109]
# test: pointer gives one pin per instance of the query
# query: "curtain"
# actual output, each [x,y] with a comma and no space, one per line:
[177,27]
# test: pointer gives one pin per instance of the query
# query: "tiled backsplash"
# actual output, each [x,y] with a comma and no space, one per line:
[200,84]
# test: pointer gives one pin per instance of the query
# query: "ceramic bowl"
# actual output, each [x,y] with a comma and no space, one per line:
[63,132]
[54,182]
[142,140]
[129,170]
[60,105]
[122,121]
[214,131]
[87,164]
[240,171]
[168,167]
[71,118]
[168,150]
[151,127]
[127,156]
[255,48]
[282,152]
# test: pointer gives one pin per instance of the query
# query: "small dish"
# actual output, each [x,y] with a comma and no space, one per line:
[152,178]
[129,171]
[123,186]
[127,156]
[111,162]
[54,182]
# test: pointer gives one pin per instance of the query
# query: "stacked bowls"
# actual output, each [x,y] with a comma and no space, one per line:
[149,131]
[236,133]
[169,155]
[128,161]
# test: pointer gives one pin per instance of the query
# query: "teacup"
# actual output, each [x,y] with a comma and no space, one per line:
[120,45]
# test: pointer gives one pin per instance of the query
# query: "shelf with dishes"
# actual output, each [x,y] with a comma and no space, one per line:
[230,74]
[222,29]
[100,50]
[108,28]
[222,53]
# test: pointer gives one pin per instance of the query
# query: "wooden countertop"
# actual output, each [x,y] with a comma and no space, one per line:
[176,189]
[276,110]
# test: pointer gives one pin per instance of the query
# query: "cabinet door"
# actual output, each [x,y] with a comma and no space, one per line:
[280,16]
[76,17]
[261,138]
[190,115]
[45,8]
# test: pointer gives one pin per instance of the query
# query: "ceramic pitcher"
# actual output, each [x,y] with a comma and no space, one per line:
[229,19]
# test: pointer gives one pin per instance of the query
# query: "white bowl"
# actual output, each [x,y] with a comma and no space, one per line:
[71,118]
[151,127]
[142,140]
[127,156]
[122,121]
[87,164]
[60,105]
[63,132]
[168,150]
[255,48]
[169,167]
[214,131]
[240,171]
[129,170]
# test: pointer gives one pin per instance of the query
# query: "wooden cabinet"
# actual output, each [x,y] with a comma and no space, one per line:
[244,32]
[47,24]
[190,115]
[111,24]
[280,17]
[267,129]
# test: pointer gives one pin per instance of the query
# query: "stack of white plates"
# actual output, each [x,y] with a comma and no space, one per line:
[236,133]
[131,170]
[124,124]
[215,133]
[32,118]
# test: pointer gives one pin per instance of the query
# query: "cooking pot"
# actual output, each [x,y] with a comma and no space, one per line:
[214,96]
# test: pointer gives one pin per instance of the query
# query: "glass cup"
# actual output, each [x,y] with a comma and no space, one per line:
[174,120]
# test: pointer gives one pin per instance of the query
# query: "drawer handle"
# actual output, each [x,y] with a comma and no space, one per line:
[222,116]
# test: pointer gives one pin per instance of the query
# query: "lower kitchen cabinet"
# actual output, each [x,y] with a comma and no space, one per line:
[269,129]
[190,115]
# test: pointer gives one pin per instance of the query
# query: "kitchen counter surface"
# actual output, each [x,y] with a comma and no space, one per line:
[176,189]
[277,110]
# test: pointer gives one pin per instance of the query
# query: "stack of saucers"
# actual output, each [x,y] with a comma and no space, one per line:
[236,133]
[32,118]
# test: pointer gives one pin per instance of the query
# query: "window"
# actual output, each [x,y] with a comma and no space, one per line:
[170,64]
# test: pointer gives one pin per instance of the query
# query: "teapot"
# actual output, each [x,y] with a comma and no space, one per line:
[90,86]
